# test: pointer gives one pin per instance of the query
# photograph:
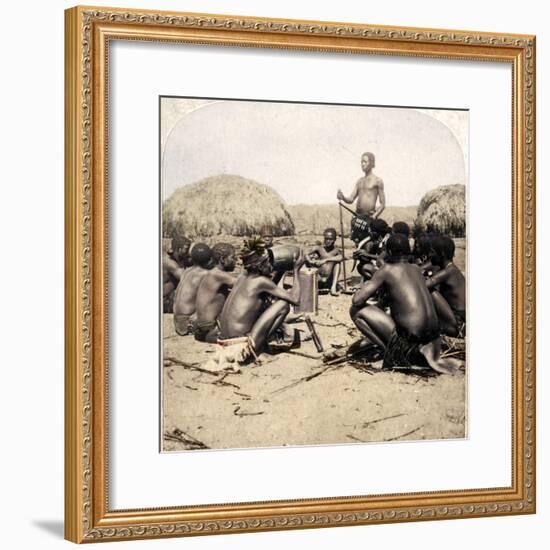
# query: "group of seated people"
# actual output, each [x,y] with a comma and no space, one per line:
[408,299]
[216,306]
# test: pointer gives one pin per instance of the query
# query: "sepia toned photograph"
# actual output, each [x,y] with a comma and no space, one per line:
[313,273]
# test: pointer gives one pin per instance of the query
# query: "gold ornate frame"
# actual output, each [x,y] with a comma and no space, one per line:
[88,32]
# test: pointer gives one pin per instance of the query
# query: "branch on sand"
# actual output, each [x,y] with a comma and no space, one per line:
[189,441]
[352,437]
[331,325]
[220,381]
[366,424]
[237,412]
[303,354]
[304,379]
[353,352]
[192,366]
[404,435]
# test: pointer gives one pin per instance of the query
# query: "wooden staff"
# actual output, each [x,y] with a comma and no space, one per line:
[346,208]
[314,335]
[343,250]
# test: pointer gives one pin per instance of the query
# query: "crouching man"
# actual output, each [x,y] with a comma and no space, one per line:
[410,335]
[256,307]
[327,258]
[448,288]
[186,291]
[212,293]
[173,264]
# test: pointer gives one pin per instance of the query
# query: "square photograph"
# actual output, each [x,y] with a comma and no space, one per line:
[312,273]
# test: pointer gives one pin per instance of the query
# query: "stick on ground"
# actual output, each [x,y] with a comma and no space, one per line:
[403,435]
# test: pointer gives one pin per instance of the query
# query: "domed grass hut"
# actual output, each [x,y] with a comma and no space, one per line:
[443,210]
[225,205]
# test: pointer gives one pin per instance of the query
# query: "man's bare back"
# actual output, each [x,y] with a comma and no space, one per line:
[186,292]
[171,274]
[244,305]
[212,293]
[410,302]
[452,286]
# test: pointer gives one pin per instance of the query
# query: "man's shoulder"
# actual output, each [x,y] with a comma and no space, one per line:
[455,271]
[223,276]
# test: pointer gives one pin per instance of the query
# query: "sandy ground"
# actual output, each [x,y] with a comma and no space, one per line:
[291,399]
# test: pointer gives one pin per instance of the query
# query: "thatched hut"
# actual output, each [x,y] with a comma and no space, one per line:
[443,210]
[225,205]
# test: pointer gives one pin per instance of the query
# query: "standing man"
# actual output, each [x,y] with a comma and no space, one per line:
[367,191]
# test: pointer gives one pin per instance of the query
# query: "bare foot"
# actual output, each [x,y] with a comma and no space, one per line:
[441,365]
[442,368]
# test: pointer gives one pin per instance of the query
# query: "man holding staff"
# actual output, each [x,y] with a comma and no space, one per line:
[368,190]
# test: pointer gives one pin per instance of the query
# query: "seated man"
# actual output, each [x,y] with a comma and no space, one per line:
[423,253]
[402,228]
[186,292]
[370,254]
[266,232]
[213,291]
[448,288]
[173,264]
[327,258]
[410,335]
[256,307]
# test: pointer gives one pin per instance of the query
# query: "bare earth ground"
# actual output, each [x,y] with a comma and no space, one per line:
[290,399]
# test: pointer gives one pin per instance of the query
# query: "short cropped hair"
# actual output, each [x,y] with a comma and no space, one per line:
[379,226]
[201,254]
[398,245]
[371,158]
[402,228]
[330,231]
[444,247]
[221,251]
[422,246]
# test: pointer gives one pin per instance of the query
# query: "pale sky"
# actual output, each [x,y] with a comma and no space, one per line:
[306,152]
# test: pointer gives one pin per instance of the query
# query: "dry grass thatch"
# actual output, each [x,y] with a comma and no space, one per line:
[225,205]
[443,210]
